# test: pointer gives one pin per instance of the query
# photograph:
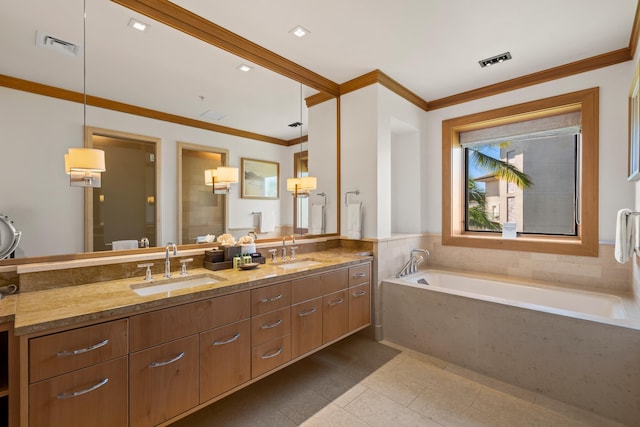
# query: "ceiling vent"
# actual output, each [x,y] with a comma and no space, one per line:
[495,59]
[54,43]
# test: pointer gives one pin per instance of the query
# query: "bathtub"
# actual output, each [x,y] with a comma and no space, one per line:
[550,299]
[579,347]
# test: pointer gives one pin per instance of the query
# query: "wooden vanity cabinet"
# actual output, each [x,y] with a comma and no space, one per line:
[359,296]
[153,367]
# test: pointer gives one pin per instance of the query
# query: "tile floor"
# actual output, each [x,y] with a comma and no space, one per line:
[359,382]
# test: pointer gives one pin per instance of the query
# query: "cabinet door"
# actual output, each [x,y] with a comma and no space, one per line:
[359,306]
[95,396]
[225,359]
[306,327]
[335,316]
[163,381]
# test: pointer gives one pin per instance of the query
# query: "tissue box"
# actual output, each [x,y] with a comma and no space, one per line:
[214,255]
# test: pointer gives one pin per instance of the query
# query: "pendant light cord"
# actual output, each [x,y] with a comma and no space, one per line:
[84,64]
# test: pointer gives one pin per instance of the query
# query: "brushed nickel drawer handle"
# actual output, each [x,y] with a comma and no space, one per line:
[276,298]
[166,362]
[272,325]
[229,341]
[83,350]
[274,354]
[81,392]
[307,313]
[359,275]
[359,294]
[336,302]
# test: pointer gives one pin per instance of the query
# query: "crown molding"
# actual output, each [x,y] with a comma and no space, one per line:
[68,95]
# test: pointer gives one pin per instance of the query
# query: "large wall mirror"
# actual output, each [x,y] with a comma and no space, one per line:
[161,83]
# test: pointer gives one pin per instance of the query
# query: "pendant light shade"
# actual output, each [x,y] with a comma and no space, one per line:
[85,160]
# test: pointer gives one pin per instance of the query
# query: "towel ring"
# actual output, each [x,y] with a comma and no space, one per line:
[346,196]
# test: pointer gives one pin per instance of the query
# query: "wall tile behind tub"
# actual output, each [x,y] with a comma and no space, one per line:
[602,272]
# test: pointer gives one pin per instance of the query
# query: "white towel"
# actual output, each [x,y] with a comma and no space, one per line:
[625,235]
[316,220]
[354,221]
[267,222]
[119,245]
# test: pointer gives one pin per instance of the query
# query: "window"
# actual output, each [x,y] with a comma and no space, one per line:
[537,163]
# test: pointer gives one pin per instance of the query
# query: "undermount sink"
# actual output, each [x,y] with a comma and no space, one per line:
[173,284]
[298,264]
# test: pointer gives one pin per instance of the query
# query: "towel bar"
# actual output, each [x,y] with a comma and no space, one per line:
[346,198]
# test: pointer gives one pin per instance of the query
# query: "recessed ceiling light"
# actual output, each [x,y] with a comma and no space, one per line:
[299,31]
[140,26]
[495,59]
[244,67]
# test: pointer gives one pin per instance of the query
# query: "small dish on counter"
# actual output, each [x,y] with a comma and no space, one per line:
[248,266]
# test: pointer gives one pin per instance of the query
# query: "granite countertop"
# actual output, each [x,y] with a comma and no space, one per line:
[68,306]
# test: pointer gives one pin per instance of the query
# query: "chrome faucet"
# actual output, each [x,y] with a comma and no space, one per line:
[416,257]
[284,250]
[167,263]
[293,248]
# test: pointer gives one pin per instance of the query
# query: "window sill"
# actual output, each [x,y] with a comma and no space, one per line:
[568,245]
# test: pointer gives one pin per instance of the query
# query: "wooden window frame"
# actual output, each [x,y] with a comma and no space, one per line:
[453,230]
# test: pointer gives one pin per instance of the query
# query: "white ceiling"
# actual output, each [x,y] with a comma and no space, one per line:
[432,47]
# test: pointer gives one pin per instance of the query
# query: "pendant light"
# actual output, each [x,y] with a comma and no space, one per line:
[84,165]
[301,186]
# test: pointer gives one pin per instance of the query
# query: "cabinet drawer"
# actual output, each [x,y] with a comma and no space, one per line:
[68,351]
[306,327]
[95,396]
[161,326]
[306,288]
[359,306]
[270,298]
[334,281]
[269,355]
[225,359]
[359,274]
[163,381]
[270,326]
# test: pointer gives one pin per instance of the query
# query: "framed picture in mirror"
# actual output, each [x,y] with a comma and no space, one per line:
[260,179]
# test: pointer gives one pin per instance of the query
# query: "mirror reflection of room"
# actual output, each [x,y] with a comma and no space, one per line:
[202,211]
[124,207]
